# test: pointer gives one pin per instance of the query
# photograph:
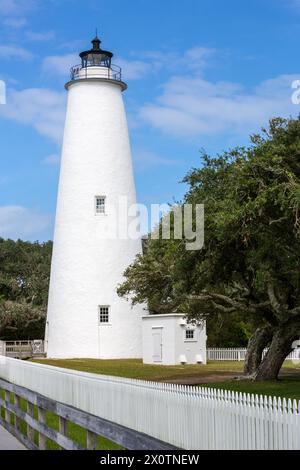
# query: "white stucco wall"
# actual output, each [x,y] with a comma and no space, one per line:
[86,266]
[175,349]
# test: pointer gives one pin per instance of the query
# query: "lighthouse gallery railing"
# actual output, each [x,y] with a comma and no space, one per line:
[114,72]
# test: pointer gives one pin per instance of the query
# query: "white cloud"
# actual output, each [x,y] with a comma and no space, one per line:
[145,159]
[52,159]
[293,3]
[195,58]
[15,22]
[133,69]
[59,64]
[44,36]
[192,106]
[16,7]
[12,52]
[41,108]
[8,7]
[21,222]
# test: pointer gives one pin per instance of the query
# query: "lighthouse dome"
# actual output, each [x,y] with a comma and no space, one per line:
[96,63]
[96,56]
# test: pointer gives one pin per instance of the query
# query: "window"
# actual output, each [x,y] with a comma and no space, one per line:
[103,314]
[189,334]
[100,204]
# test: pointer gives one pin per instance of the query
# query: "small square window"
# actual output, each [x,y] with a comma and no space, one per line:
[100,204]
[189,334]
[103,314]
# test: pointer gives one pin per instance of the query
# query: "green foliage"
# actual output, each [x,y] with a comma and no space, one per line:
[228,331]
[24,283]
[251,257]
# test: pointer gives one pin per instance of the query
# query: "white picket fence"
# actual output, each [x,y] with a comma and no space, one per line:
[2,348]
[186,417]
[239,354]
[226,354]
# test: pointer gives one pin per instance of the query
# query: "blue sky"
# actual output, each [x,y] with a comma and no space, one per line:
[201,74]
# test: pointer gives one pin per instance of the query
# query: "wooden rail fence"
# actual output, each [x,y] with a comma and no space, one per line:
[37,431]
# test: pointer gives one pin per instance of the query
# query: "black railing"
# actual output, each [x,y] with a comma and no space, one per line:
[112,73]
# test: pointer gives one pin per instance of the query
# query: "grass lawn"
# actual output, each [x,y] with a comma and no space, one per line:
[286,387]
[216,374]
[135,369]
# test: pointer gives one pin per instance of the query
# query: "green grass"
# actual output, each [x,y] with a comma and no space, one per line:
[77,434]
[216,374]
[135,369]
[285,387]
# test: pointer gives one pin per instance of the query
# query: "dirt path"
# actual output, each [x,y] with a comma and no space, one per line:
[222,376]
[202,379]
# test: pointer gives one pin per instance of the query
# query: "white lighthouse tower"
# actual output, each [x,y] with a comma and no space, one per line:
[86,318]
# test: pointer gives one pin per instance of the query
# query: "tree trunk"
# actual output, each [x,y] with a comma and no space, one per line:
[281,346]
[257,343]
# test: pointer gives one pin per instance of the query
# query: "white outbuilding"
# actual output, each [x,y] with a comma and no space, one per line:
[169,339]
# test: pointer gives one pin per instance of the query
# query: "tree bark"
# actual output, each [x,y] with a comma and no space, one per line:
[281,346]
[257,343]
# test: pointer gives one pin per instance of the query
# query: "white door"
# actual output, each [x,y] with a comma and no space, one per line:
[157,344]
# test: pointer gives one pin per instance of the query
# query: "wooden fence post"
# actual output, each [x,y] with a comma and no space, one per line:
[7,413]
[63,426]
[17,401]
[30,430]
[42,419]
[91,440]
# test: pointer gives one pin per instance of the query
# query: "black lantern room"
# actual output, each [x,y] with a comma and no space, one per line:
[96,56]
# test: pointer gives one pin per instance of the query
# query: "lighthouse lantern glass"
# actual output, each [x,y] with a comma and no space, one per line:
[96,56]
[100,60]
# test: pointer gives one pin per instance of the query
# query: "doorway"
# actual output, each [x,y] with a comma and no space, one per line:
[157,344]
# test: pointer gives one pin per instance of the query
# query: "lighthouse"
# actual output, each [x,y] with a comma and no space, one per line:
[86,318]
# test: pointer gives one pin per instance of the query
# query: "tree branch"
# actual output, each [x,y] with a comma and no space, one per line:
[223,309]
[277,221]
[294,312]
[275,304]
[234,305]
